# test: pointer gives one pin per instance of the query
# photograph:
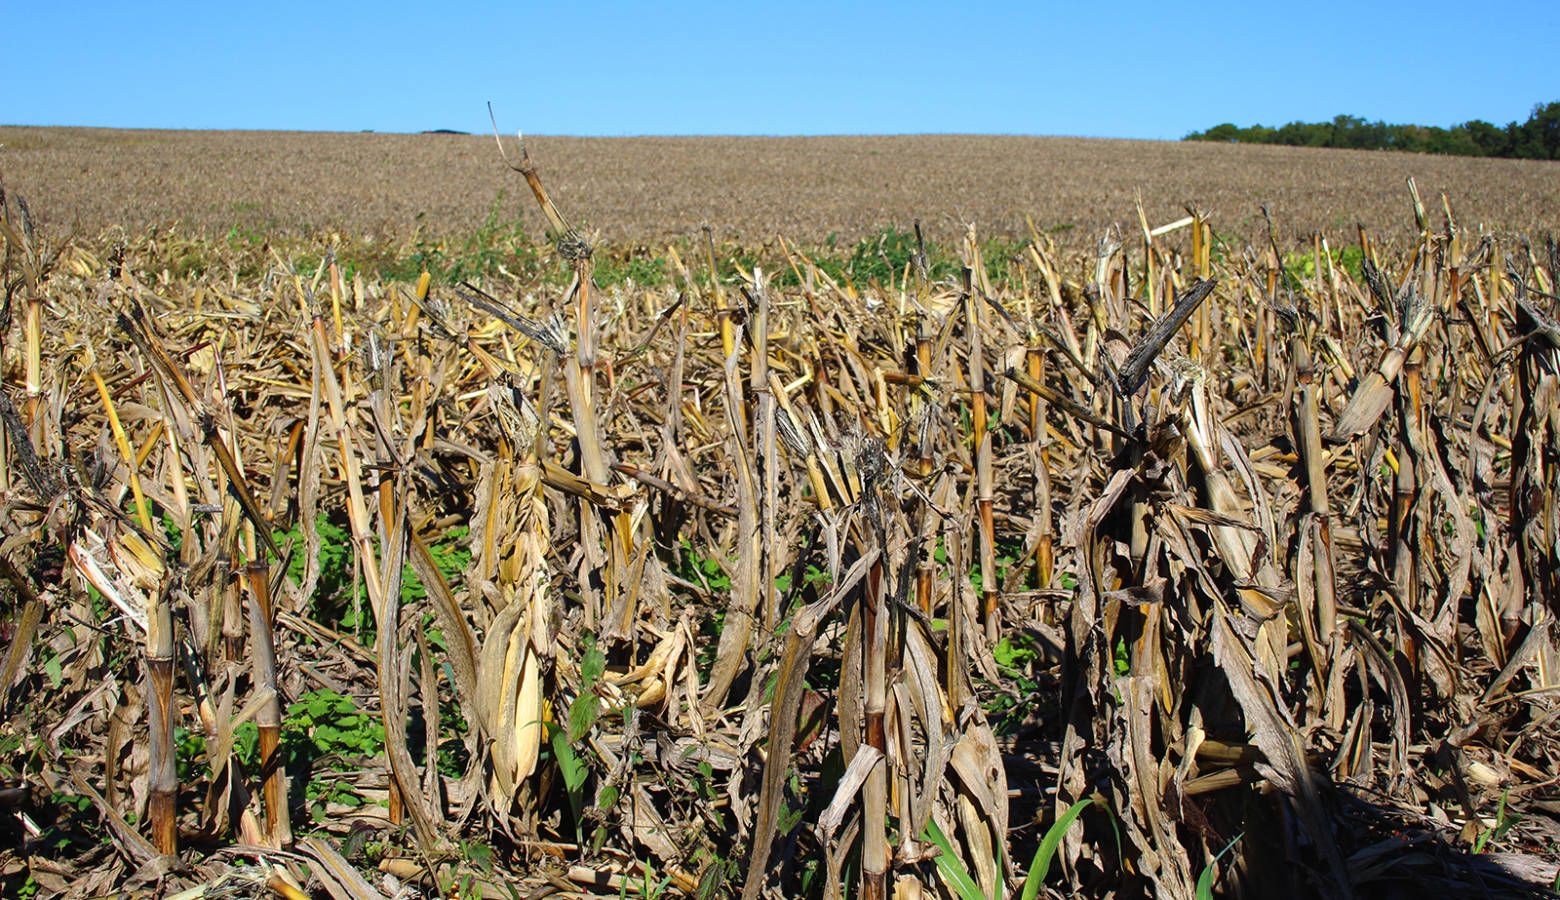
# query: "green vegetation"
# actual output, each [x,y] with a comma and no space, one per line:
[1011,705]
[1210,872]
[325,736]
[583,713]
[503,247]
[500,244]
[952,869]
[1300,267]
[885,258]
[335,554]
[1537,138]
[949,864]
[1041,865]
[1504,820]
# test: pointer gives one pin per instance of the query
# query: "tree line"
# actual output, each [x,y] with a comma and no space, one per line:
[1537,138]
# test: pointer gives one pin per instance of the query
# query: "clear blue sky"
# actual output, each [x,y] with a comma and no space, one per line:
[1123,69]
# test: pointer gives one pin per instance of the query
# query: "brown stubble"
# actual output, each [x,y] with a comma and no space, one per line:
[651,190]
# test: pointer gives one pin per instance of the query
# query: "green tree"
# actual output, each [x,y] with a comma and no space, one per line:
[1490,140]
[1540,134]
[1348,131]
[1224,133]
[1537,138]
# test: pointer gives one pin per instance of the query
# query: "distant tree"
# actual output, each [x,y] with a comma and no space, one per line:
[1513,140]
[1537,138]
[1454,141]
[1378,136]
[1488,139]
[1540,134]
[1223,133]
[1295,134]
[1350,132]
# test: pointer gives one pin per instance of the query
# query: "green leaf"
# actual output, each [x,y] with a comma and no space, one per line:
[1205,880]
[582,716]
[573,769]
[1503,824]
[951,866]
[593,664]
[1041,865]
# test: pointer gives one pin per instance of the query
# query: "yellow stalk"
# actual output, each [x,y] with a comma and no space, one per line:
[123,444]
[335,303]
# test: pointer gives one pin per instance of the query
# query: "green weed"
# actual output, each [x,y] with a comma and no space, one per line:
[500,242]
[643,270]
[1210,872]
[1504,820]
[1008,707]
[1300,266]
[1040,866]
[321,727]
[583,713]
[335,555]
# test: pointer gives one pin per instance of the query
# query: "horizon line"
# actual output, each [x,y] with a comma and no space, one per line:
[455,132]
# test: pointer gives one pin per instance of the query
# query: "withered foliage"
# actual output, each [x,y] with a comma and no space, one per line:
[772,584]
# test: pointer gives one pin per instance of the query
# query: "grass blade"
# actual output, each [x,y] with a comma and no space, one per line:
[1211,871]
[1041,866]
[949,864]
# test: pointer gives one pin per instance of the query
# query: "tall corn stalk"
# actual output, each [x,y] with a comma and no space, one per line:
[1535,452]
[981,438]
[1318,612]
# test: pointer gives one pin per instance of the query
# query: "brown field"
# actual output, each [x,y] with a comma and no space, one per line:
[656,189]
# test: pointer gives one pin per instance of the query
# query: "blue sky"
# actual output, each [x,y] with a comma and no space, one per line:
[1121,69]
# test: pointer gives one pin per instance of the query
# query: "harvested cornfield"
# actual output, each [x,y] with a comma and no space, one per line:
[654,190]
[1163,569]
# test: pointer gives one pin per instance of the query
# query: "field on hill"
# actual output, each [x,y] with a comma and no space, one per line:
[354,555]
[661,189]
